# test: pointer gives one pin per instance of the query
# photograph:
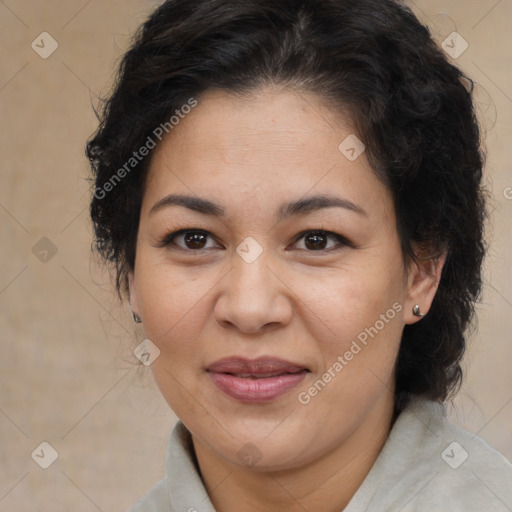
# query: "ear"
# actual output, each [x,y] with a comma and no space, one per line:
[422,284]
[132,289]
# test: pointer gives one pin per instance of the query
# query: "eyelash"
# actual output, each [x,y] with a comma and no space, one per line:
[342,241]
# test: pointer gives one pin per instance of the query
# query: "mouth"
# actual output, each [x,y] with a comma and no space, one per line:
[259,380]
[260,375]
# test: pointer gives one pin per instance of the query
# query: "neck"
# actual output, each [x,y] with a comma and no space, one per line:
[326,484]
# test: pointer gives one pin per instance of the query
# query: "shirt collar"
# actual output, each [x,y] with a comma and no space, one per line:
[185,486]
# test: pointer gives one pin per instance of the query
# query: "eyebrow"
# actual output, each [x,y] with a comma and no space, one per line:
[299,207]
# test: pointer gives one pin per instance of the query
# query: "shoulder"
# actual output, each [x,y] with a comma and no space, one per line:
[156,500]
[430,464]
[458,469]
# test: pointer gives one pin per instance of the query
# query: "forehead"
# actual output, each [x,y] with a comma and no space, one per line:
[281,120]
[258,147]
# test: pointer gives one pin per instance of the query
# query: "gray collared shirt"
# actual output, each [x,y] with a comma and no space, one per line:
[426,465]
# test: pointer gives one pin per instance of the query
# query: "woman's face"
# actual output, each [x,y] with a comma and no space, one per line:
[271,273]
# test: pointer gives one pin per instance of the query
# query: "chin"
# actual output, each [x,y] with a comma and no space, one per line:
[264,443]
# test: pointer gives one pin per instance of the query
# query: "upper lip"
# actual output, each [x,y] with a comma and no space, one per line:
[257,366]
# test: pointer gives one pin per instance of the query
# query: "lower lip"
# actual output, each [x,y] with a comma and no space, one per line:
[256,390]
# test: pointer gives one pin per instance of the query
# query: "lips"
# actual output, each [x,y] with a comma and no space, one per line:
[258,380]
[261,367]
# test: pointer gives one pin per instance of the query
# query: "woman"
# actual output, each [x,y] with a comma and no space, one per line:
[291,197]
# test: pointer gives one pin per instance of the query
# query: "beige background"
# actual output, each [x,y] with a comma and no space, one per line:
[68,376]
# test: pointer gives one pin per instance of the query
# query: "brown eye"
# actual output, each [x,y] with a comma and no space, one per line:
[195,240]
[319,240]
[192,240]
[315,241]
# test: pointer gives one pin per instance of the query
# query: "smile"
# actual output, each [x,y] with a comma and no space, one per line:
[255,381]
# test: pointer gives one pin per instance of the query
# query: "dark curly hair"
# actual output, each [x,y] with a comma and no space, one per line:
[373,59]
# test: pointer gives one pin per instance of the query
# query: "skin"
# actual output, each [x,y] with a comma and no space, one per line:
[251,154]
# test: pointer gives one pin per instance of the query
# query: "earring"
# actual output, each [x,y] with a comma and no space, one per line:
[416,311]
[136,318]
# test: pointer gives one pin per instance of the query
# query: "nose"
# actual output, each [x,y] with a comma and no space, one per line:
[254,298]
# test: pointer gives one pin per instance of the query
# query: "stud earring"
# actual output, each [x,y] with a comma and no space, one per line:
[416,311]
[136,318]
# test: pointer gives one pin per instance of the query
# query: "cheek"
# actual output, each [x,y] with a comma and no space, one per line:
[358,352]
[342,303]
[174,305]
[159,283]
[355,321]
